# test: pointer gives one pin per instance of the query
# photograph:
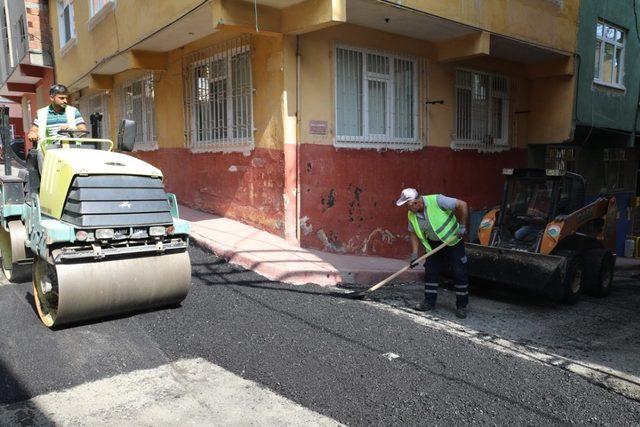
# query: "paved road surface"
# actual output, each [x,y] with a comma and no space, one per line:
[269,353]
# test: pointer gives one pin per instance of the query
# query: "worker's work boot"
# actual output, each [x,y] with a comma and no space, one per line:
[424,306]
[461,312]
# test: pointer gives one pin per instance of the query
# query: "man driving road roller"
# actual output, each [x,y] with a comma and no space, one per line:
[57,116]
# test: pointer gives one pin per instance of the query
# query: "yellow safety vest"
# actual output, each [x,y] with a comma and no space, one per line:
[443,222]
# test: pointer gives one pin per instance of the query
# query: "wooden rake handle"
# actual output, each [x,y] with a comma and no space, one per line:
[405,268]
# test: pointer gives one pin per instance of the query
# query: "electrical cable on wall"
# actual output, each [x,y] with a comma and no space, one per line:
[255,13]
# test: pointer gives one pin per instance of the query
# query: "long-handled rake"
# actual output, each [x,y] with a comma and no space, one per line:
[362,294]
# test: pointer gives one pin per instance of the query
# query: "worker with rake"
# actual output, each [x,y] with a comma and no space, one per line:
[433,220]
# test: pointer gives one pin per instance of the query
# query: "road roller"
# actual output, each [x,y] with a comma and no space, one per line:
[94,230]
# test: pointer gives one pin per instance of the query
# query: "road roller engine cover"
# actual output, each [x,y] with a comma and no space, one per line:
[94,229]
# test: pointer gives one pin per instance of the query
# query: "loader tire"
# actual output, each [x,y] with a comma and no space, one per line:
[598,272]
[573,279]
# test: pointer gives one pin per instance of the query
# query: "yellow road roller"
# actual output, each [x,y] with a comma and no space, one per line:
[94,229]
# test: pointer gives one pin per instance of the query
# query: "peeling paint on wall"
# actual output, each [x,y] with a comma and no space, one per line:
[385,236]
[329,242]
[355,210]
[229,185]
[305,226]
[330,200]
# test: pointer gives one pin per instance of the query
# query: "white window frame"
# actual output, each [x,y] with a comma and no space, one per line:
[97,15]
[386,140]
[484,144]
[62,28]
[604,40]
[149,130]
[98,102]
[225,51]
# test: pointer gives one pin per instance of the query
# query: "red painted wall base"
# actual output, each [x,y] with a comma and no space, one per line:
[245,188]
[348,196]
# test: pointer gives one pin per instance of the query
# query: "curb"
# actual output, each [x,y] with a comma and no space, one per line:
[324,278]
[269,271]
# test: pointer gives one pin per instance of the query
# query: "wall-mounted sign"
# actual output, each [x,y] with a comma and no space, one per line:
[318,127]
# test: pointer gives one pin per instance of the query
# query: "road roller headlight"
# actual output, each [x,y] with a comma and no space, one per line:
[104,233]
[156,231]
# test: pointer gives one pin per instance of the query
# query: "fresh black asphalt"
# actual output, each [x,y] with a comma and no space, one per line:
[323,352]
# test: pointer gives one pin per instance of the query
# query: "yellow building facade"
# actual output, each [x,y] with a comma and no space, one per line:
[306,118]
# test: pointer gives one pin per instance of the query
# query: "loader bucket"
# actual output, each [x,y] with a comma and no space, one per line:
[532,272]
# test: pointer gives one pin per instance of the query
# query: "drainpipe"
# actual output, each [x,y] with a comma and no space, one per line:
[574,119]
[298,136]
[635,121]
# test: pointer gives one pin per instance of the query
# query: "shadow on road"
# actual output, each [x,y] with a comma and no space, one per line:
[13,408]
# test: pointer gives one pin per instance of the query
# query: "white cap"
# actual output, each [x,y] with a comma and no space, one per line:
[406,195]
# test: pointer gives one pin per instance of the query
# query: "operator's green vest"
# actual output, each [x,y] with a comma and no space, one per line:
[443,222]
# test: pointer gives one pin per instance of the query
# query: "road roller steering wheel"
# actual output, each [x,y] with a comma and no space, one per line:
[73,133]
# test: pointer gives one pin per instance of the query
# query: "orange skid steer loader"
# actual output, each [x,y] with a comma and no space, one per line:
[544,239]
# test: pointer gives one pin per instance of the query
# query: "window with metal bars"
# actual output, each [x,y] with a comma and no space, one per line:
[376,99]
[98,103]
[482,108]
[614,166]
[561,159]
[219,97]
[137,104]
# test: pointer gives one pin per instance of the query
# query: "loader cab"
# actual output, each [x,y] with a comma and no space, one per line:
[533,198]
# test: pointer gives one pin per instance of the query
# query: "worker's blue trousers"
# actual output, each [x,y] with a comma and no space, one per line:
[452,259]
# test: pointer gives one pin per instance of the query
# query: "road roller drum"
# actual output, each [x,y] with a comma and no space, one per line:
[68,293]
[16,258]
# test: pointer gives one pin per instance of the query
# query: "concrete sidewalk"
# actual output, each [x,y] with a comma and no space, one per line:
[277,259]
[627,263]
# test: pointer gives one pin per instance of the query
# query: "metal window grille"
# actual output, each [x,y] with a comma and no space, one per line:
[482,109]
[609,54]
[219,97]
[614,165]
[376,99]
[98,103]
[561,158]
[137,103]
[66,23]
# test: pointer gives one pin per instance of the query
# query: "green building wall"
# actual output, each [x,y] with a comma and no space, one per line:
[602,107]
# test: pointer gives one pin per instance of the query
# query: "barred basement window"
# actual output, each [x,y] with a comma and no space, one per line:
[219,97]
[98,103]
[614,165]
[376,99]
[137,103]
[482,108]
[561,158]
